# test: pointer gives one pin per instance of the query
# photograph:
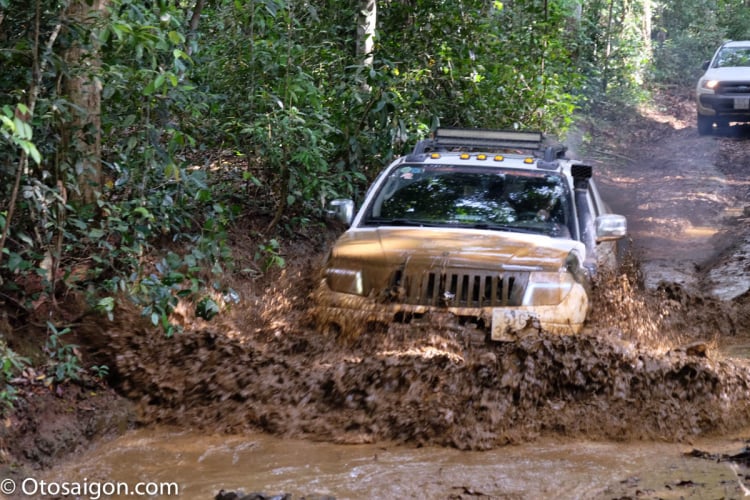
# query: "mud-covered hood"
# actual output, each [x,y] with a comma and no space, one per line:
[478,249]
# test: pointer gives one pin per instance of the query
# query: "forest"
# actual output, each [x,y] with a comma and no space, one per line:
[136,133]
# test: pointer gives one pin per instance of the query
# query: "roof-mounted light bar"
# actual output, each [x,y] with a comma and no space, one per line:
[486,138]
[480,139]
[487,135]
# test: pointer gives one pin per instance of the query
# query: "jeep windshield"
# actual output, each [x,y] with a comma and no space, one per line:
[473,197]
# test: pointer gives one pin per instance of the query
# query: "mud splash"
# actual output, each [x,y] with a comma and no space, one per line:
[427,384]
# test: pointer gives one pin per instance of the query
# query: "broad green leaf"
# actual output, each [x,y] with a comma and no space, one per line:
[143,212]
[106,304]
[176,38]
[8,123]
[150,88]
[171,170]
[32,151]
[14,261]
[26,239]
[159,82]
[203,195]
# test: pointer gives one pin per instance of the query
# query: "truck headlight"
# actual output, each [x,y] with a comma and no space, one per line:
[344,280]
[709,84]
[547,289]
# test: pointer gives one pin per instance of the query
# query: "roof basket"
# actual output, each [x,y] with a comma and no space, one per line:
[487,140]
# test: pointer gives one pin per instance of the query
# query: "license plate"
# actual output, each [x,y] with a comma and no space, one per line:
[742,103]
[507,324]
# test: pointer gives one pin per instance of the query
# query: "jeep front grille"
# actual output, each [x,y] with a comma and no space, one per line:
[458,288]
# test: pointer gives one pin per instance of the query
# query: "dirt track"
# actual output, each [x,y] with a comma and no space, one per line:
[684,195]
[632,376]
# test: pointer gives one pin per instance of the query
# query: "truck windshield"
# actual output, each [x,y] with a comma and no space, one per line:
[452,196]
[733,56]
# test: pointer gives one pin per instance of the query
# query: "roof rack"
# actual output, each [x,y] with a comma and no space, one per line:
[488,140]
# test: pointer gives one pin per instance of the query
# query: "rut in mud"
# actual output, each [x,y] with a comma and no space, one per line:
[647,368]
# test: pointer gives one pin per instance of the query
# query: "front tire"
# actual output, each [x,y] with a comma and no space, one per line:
[705,125]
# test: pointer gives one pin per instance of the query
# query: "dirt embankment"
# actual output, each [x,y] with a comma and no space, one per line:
[647,368]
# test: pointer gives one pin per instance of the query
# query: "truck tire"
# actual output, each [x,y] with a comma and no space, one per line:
[705,125]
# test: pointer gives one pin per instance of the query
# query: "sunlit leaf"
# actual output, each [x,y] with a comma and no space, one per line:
[159,82]
[176,38]
[150,88]
[143,212]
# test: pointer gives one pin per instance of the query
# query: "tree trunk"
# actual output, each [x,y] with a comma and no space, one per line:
[193,24]
[647,27]
[608,49]
[366,23]
[83,88]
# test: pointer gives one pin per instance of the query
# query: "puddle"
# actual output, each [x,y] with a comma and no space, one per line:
[204,464]
[731,278]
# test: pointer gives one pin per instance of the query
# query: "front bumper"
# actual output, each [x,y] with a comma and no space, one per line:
[351,314]
[734,107]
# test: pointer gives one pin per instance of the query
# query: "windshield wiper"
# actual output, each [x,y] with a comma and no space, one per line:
[399,222]
[504,227]
[382,221]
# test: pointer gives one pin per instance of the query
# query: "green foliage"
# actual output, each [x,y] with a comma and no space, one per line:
[207,308]
[276,110]
[151,194]
[133,232]
[463,64]
[100,371]
[17,132]
[689,32]
[64,362]
[269,255]
[12,365]
[678,60]
[734,17]
[611,53]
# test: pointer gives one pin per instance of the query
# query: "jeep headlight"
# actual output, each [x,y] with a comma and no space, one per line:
[709,84]
[344,280]
[547,289]
[551,288]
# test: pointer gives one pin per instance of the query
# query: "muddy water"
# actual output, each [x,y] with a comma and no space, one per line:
[204,464]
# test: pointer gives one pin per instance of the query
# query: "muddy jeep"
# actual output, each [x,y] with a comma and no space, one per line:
[490,227]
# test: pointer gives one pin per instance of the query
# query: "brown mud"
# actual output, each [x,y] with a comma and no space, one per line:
[427,387]
[648,367]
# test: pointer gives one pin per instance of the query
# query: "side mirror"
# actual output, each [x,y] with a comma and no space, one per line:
[341,209]
[705,65]
[610,227]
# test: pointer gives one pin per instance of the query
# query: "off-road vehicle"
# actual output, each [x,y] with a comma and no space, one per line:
[490,227]
[723,92]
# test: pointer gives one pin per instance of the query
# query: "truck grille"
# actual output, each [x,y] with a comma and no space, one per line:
[459,288]
[742,88]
